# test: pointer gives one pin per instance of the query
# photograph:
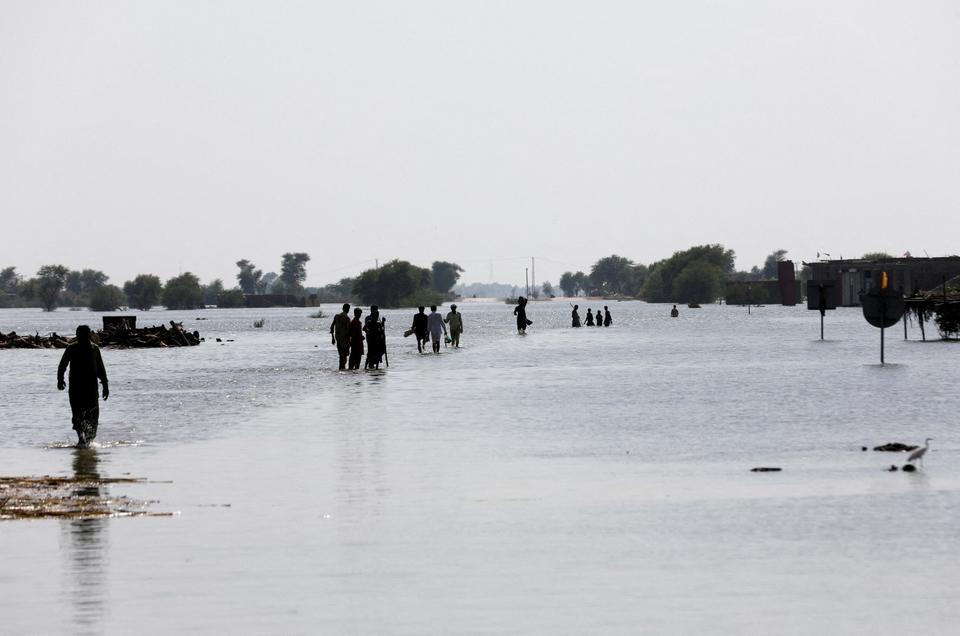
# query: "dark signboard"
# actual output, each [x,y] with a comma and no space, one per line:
[881,308]
[823,294]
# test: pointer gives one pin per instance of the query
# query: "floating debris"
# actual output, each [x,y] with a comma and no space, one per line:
[909,468]
[80,497]
[765,469]
[895,447]
[113,336]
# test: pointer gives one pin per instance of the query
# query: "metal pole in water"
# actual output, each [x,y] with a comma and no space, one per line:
[883,319]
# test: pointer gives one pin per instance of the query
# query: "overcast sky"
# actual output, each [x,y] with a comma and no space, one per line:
[159,136]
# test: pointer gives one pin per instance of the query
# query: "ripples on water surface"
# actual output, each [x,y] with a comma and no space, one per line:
[569,481]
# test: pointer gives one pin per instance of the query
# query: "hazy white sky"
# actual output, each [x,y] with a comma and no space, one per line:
[154,136]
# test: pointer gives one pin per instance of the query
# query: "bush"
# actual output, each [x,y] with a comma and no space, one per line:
[107,298]
[231,298]
[948,321]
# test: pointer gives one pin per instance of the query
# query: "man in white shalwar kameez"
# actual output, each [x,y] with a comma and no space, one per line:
[436,327]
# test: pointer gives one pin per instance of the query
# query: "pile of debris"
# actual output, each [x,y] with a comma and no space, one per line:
[110,336]
[78,497]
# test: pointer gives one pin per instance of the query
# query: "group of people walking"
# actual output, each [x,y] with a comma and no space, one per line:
[349,335]
[434,327]
[601,320]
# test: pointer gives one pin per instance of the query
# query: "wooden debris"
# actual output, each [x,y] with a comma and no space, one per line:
[159,336]
[765,469]
[895,447]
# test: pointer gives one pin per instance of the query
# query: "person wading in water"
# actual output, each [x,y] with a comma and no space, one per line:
[340,334]
[356,339]
[86,367]
[520,311]
[576,316]
[376,338]
[455,320]
[607,318]
[420,328]
[437,328]
[589,322]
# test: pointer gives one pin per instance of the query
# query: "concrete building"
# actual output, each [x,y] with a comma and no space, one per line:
[906,274]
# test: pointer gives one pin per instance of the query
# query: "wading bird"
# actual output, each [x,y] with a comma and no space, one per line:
[920,452]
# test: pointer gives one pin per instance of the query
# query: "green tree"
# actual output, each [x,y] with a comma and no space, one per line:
[212,291]
[249,277]
[547,288]
[581,281]
[50,282]
[339,292]
[85,281]
[183,292]
[231,298]
[611,274]
[396,284]
[445,275]
[698,282]
[107,298]
[659,285]
[568,284]
[10,280]
[10,283]
[293,270]
[143,292]
[770,264]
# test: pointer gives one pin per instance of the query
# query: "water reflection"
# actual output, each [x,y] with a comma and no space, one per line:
[85,547]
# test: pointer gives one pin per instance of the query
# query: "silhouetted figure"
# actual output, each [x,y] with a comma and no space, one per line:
[674,313]
[575,316]
[421,328]
[86,367]
[340,334]
[520,311]
[356,339]
[607,318]
[455,320]
[589,322]
[437,328]
[376,338]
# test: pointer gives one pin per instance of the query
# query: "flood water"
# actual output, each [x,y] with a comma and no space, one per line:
[590,481]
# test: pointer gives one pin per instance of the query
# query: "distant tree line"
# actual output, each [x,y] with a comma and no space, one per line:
[695,275]
[394,284]
[59,286]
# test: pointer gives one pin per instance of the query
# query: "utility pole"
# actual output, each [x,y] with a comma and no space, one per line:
[533,275]
[526,276]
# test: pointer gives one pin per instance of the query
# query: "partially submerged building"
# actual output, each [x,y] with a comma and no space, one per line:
[906,274]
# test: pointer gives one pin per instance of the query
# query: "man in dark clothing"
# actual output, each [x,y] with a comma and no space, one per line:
[340,334]
[356,340]
[576,316]
[376,338]
[86,367]
[421,328]
[607,319]
[589,317]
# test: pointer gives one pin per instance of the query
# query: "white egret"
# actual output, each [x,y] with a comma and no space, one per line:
[920,452]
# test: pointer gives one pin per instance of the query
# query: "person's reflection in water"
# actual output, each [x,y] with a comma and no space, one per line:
[86,548]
